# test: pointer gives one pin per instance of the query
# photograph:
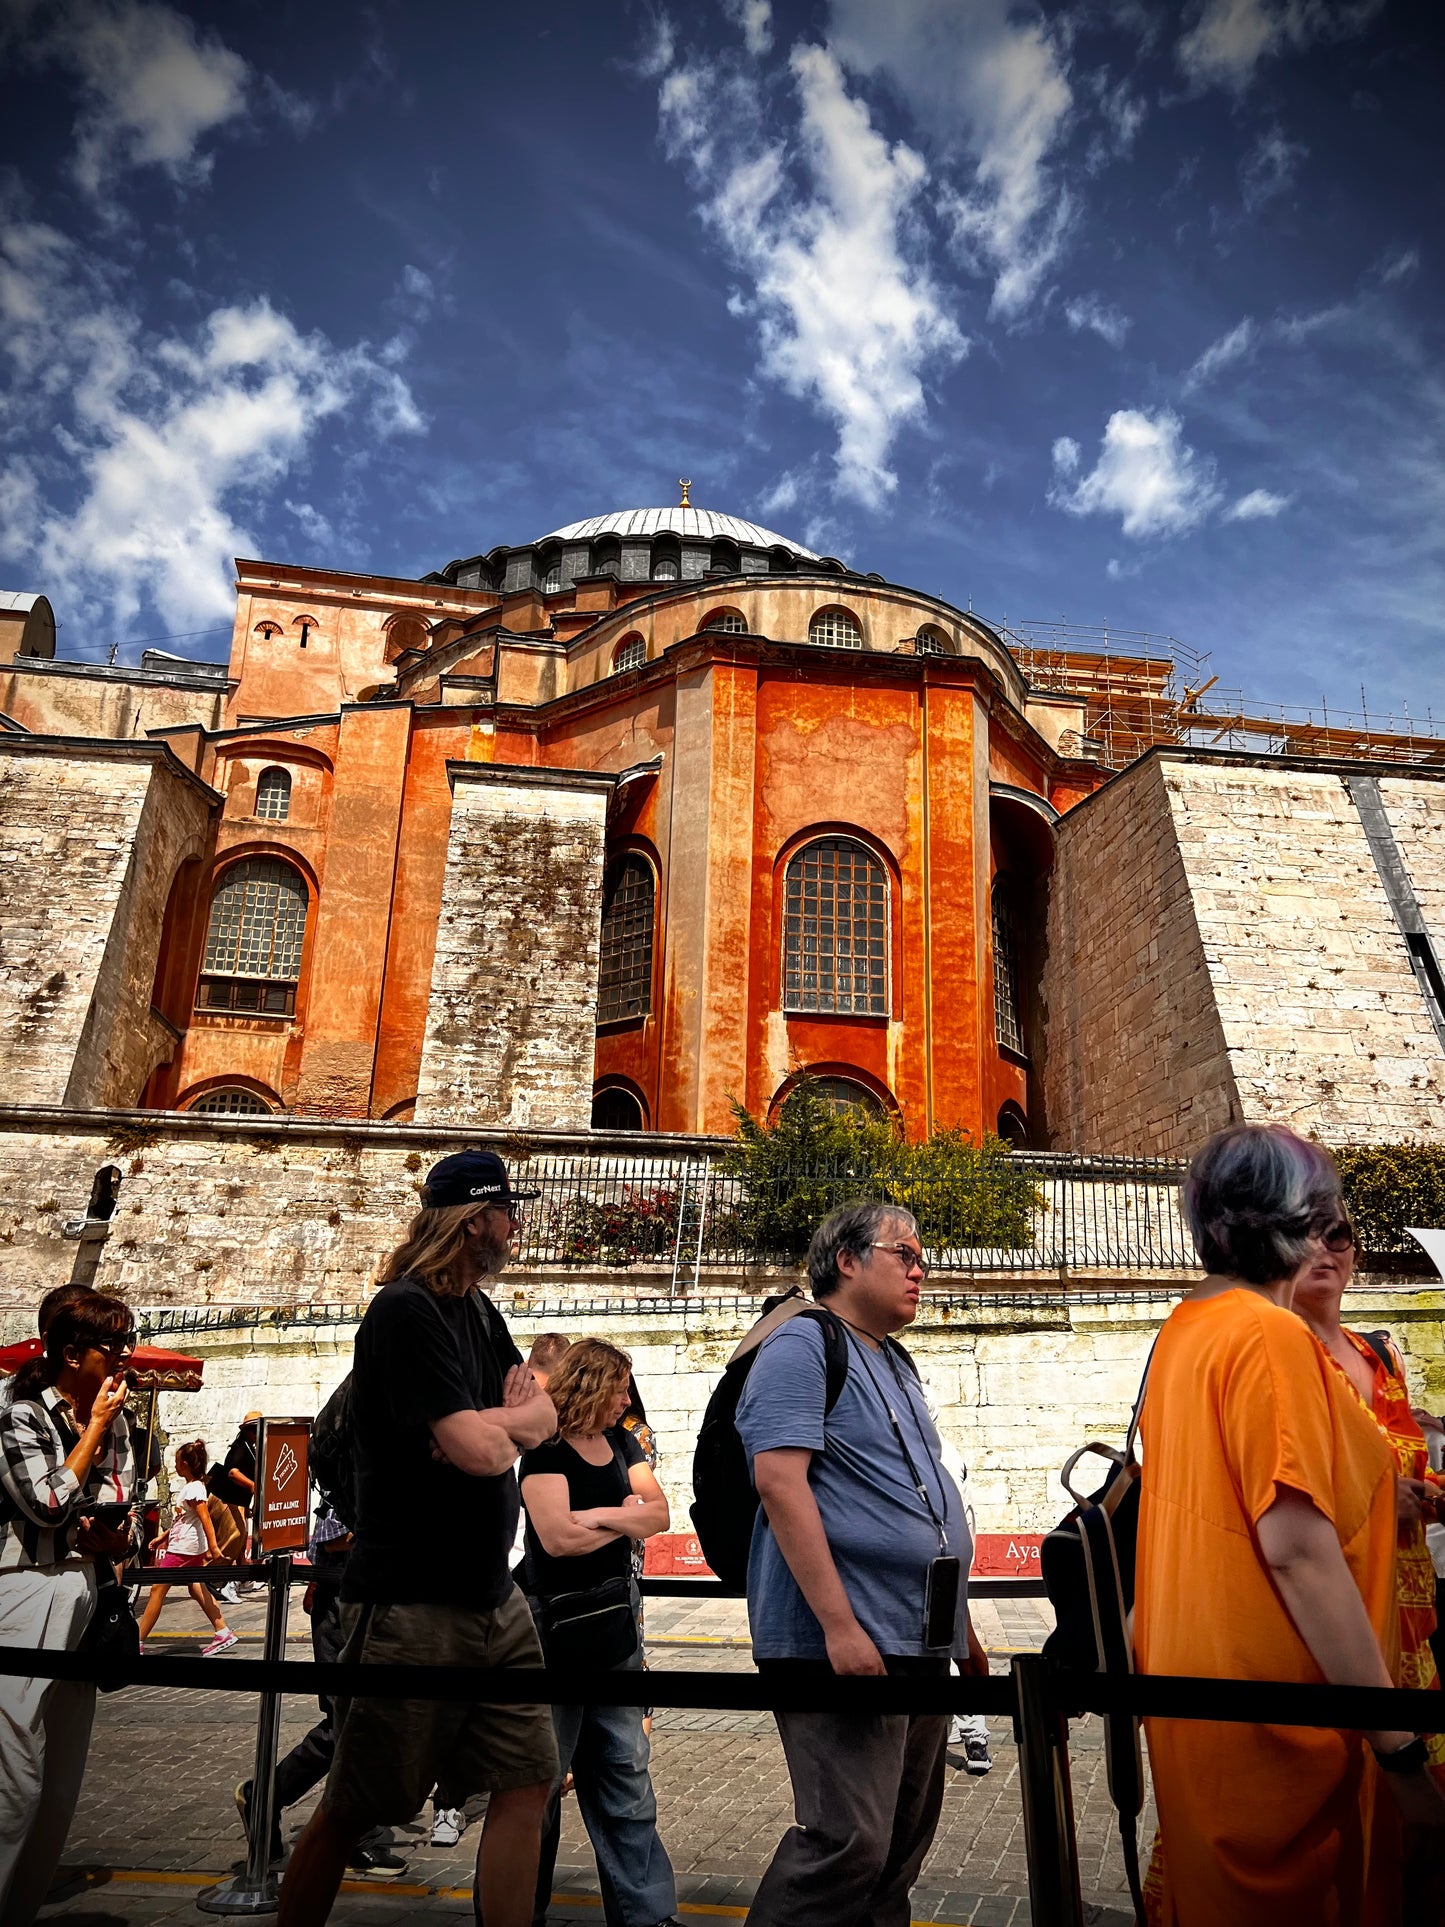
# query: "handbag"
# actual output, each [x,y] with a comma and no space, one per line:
[593,1630]
[112,1637]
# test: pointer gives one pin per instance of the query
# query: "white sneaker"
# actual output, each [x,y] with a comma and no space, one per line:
[446,1826]
[228,1594]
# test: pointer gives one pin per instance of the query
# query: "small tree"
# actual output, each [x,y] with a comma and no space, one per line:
[1390,1186]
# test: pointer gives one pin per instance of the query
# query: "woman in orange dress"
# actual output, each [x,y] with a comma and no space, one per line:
[1385,1395]
[1266,1551]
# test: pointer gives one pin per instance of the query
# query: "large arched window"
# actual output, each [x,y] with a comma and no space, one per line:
[845,1094]
[273,794]
[231,1101]
[253,940]
[836,628]
[729,622]
[630,653]
[614,1108]
[835,929]
[625,979]
[1007,1001]
[931,641]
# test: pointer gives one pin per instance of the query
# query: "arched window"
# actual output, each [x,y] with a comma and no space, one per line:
[836,628]
[932,642]
[625,978]
[1013,1127]
[616,1109]
[273,794]
[306,627]
[835,929]
[1007,1004]
[607,556]
[724,559]
[253,940]
[232,1101]
[630,653]
[402,633]
[666,559]
[268,631]
[730,621]
[843,1094]
[549,568]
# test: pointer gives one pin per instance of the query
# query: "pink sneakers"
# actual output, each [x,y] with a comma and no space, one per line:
[222,1643]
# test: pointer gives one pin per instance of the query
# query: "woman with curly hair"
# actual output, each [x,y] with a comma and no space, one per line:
[590,1496]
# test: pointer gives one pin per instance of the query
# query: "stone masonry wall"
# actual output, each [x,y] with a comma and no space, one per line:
[77,890]
[511,1025]
[1134,1059]
[1017,1388]
[1325,1023]
[1416,811]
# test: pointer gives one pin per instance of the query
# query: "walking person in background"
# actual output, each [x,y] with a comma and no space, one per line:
[1267,1551]
[64,1451]
[440,1402]
[858,1555]
[233,1493]
[590,1497]
[191,1541]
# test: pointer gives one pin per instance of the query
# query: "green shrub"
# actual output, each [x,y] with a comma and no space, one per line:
[794,1171]
[1390,1186]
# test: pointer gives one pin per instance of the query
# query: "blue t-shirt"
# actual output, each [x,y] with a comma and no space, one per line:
[879,1530]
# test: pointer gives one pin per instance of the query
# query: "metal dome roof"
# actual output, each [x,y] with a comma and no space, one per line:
[702,524]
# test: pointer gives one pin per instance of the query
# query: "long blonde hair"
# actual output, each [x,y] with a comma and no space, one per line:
[586,1383]
[435,1239]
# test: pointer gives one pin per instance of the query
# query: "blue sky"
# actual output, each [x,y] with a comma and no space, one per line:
[1104,312]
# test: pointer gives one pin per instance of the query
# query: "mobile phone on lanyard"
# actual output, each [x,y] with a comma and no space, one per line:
[940,1600]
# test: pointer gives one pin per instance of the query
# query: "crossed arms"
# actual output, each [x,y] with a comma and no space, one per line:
[486,1443]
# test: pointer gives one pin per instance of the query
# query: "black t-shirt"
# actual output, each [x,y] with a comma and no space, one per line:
[425,1532]
[241,1458]
[587,1486]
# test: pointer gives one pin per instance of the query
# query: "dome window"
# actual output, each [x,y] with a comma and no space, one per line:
[666,559]
[835,629]
[728,622]
[630,653]
[273,794]
[232,1101]
[550,570]
[932,642]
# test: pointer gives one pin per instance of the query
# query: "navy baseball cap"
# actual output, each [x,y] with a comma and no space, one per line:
[472,1177]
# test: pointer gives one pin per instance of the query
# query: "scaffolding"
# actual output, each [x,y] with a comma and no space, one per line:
[1139,689]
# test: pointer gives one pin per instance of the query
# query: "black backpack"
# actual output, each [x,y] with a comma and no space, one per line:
[724,1501]
[333,1454]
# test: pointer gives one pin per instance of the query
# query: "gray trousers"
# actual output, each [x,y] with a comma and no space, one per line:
[867,1794]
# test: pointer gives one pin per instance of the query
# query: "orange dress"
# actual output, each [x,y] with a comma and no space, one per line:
[1259,1825]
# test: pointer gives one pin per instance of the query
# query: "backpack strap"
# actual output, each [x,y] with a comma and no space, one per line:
[835,1353]
[1379,1344]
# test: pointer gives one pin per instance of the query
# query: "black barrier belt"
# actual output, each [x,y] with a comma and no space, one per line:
[654,1586]
[1239,1702]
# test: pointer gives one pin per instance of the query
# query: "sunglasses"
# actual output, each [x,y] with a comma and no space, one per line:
[118,1349]
[1338,1237]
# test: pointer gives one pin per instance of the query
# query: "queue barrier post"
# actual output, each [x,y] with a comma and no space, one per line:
[1050,1847]
[257,1890]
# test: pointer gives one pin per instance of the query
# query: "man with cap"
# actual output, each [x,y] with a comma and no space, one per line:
[441,1405]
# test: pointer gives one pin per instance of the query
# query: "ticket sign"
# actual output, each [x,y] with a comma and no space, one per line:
[283,1488]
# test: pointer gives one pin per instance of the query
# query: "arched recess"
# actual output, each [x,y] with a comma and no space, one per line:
[618,1105]
[607,556]
[255,938]
[405,632]
[666,558]
[1008,969]
[1013,1126]
[233,1096]
[548,565]
[181,929]
[837,897]
[842,1087]
[628,942]
[724,558]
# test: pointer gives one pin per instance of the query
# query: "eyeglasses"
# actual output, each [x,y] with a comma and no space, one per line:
[1339,1237]
[909,1256]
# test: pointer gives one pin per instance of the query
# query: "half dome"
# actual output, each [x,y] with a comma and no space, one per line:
[702,525]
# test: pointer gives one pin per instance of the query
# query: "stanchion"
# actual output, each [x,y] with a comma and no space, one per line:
[1048,1802]
[257,1890]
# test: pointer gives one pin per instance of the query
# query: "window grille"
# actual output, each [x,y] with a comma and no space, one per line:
[253,941]
[273,794]
[231,1103]
[552,575]
[836,628]
[835,929]
[631,654]
[665,567]
[842,1094]
[728,623]
[616,1110]
[1007,1008]
[931,642]
[625,979]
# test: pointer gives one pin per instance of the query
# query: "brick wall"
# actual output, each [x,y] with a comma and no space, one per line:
[511,1025]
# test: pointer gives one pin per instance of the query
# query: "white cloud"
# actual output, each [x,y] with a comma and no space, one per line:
[144,452]
[754,18]
[1146,475]
[1231,38]
[1219,354]
[152,86]
[1258,505]
[848,315]
[989,82]
[1093,312]
[1268,168]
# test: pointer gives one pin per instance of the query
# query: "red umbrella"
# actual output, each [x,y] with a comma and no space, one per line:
[150,1368]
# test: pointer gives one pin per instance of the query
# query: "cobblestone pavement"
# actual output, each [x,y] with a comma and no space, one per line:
[156,1819]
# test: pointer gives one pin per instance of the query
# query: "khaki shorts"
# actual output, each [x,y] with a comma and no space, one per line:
[391,1753]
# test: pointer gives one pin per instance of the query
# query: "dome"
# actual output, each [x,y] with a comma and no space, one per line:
[702,525]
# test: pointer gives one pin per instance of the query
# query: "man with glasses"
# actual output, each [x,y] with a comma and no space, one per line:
[858,1564]
[441,1404]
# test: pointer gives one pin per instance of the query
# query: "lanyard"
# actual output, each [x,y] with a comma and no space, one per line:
[918,1484]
